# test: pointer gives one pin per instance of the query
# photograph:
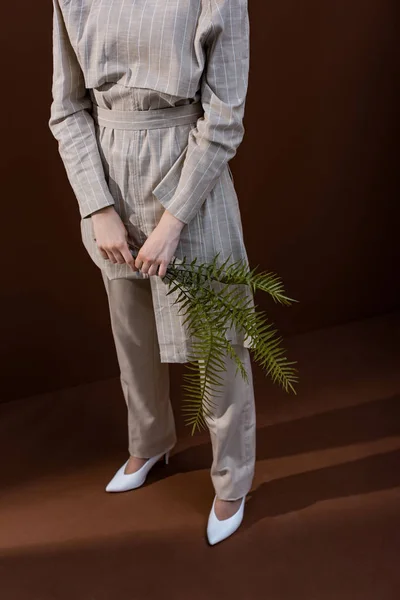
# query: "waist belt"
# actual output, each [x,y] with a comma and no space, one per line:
[148,119]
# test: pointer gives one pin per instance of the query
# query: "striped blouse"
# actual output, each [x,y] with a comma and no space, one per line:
[177,47]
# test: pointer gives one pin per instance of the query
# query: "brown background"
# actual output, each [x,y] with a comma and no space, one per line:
[316,174]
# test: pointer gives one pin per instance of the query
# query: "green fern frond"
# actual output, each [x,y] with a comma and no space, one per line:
[212,298]
[266,347]
[203,383]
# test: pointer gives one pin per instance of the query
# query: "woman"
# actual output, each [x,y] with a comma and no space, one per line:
[148,103]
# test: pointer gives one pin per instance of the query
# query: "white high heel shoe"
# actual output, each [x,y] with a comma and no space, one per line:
[219,530]
[122,482]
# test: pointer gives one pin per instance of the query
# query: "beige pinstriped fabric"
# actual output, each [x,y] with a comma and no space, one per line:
[143,55]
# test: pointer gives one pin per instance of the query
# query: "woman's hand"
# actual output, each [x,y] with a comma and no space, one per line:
[111,237]
[159,248]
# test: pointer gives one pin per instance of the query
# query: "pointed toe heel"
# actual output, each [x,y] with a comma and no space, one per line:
[219,530]
[122,482]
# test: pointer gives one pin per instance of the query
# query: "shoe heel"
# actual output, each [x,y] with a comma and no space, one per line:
[166,457]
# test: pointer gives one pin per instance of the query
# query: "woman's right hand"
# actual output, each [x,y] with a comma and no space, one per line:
[111,237]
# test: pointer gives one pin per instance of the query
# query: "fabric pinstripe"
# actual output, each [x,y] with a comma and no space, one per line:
[144,55]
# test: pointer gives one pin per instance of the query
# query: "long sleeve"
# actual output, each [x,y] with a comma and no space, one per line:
[218,133]
[72,124]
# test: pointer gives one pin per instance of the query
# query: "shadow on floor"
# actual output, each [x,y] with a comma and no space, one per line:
[341,427]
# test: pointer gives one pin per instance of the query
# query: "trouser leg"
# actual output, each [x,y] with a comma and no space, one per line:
[144,378]
[233,431]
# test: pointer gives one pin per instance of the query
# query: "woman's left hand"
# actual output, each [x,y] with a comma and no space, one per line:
[159,248]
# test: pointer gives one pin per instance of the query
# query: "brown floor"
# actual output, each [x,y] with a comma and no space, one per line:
[322,521]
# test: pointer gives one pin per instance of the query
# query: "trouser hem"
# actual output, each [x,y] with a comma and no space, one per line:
[141,451]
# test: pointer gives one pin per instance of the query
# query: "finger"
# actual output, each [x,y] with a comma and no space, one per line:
[110,255]
[118,256]
[138,262]
[103,254]
[162,271]
[101,250]
[128,258]
[106,253]
[146,266]
[153,269]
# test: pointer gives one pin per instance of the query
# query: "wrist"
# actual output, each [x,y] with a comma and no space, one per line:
[103,211]
[172,223]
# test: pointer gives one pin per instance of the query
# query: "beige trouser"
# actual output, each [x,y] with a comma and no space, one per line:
[145,385]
